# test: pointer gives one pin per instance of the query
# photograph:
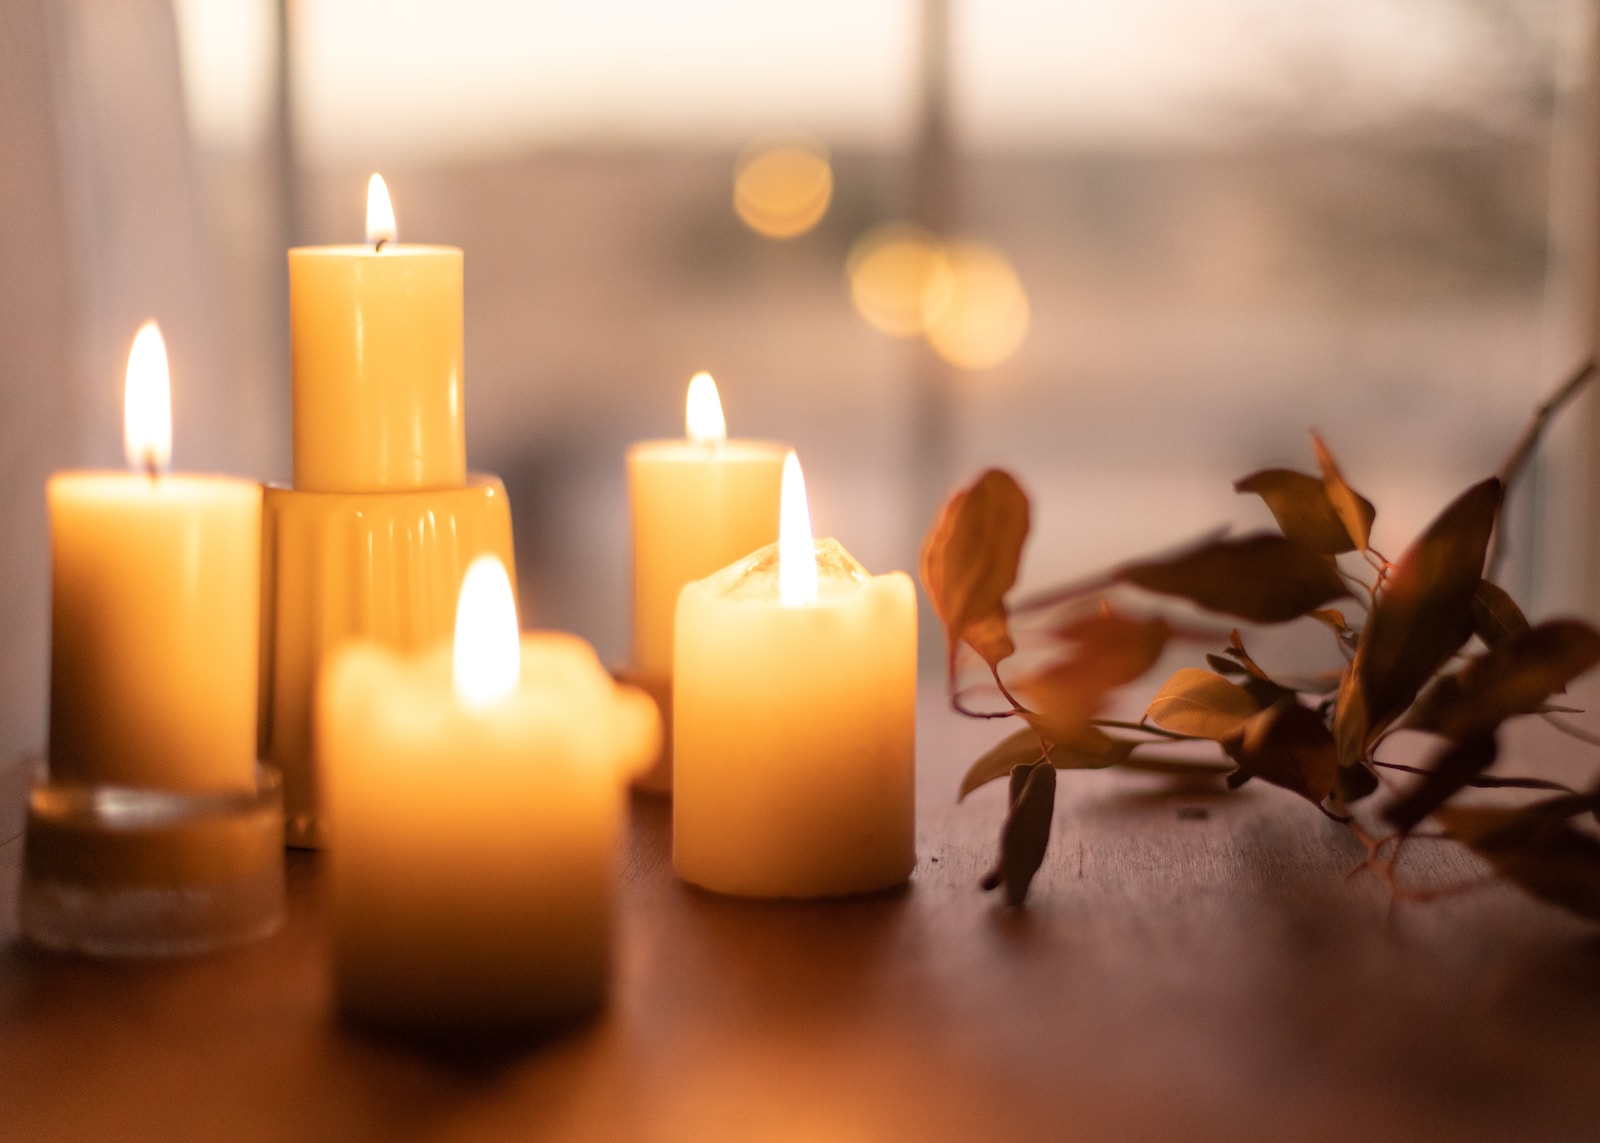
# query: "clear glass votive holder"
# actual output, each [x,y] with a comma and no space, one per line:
[119,872]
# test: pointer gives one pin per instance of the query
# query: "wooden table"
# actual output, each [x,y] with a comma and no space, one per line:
[1193,966]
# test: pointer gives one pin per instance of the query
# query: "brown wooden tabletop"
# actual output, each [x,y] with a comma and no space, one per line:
[1192,966]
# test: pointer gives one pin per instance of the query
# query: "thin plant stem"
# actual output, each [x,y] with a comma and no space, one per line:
[1517,459]
[1488,781]
[1568,729]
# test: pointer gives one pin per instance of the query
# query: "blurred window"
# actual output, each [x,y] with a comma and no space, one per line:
[1190,230]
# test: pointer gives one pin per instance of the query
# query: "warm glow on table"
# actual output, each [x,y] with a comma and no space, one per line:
[794,722]
[376,346]
[154,612]
[475,802]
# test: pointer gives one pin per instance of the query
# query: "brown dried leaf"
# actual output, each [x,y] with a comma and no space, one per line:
[1262,687]
[1495,615]
[1026,833]
[1019,749]
[1355,511]
[1226,666]
[1108,650]
[1535,847]
[1265,693]
[1263,577]
[1089,751]
[1424,613]
[969,562]
[1354,783]
[1237,652]
[1350,723]
[1287,745]
[1454,767]
[1202,704]
[1513,677]
[1332,618]
[1300,505]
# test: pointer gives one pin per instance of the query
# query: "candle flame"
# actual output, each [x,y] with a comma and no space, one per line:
[147,402]
[488,652]
[703,411]
[380,213]
[797,555]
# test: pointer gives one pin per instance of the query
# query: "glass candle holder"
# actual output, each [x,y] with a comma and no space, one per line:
[116,871]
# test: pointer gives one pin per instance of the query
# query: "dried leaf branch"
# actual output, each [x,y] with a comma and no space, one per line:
[1441,650]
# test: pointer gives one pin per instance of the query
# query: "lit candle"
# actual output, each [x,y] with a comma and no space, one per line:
[383,518]
[154,611]
[794,721]
[375,341]
[474,797]
[697,505]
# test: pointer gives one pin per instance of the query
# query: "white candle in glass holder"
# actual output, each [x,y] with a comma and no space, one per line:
[155,610]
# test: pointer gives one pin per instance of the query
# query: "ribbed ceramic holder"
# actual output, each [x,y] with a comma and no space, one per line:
[113,871]
[344,565]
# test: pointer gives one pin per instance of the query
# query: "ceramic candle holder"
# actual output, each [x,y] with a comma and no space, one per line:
[336,566]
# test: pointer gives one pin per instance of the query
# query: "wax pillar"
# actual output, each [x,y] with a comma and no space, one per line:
[154,615]
[155,834]
[154,612]
[696,504]
[383,517]
[376,348]
[474,839]
[696,508]
[794,730]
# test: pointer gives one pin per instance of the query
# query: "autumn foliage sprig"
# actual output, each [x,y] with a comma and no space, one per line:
[1426,642]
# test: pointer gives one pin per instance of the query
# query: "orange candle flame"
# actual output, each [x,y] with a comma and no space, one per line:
[381,228]
[147,402]
[488,652]
[797,555]
[703,411]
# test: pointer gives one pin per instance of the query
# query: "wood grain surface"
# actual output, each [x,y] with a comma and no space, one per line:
[1192,966]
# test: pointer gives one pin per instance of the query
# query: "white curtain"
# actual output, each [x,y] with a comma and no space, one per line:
[101,226]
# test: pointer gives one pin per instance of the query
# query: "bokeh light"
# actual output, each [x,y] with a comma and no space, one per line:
[978,317]
[964,297]
[892,269]
[783,191]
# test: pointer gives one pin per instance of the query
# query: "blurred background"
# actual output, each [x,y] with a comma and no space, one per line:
[1130,252]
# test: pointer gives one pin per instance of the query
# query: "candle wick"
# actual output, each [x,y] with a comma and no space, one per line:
[151,468]
[378,245]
